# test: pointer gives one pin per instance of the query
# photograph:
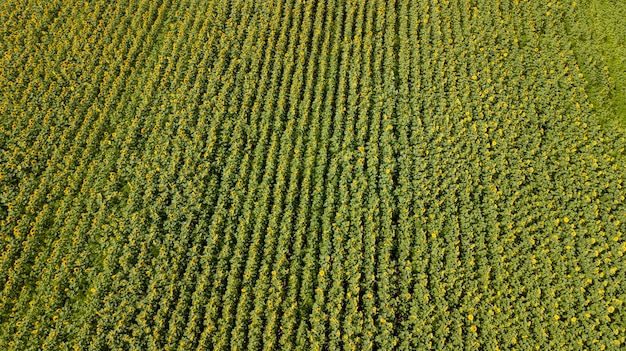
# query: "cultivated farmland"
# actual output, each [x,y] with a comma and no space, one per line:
[308,175]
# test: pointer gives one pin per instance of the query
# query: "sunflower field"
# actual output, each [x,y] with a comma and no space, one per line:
[309,175]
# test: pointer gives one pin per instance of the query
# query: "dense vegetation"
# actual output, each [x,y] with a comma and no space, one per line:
[308,175]
[599,39]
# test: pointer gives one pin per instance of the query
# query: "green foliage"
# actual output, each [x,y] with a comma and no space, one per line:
[311,175]
[598,35]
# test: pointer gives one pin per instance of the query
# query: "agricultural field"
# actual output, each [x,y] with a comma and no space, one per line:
[312,175]
[599,41]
